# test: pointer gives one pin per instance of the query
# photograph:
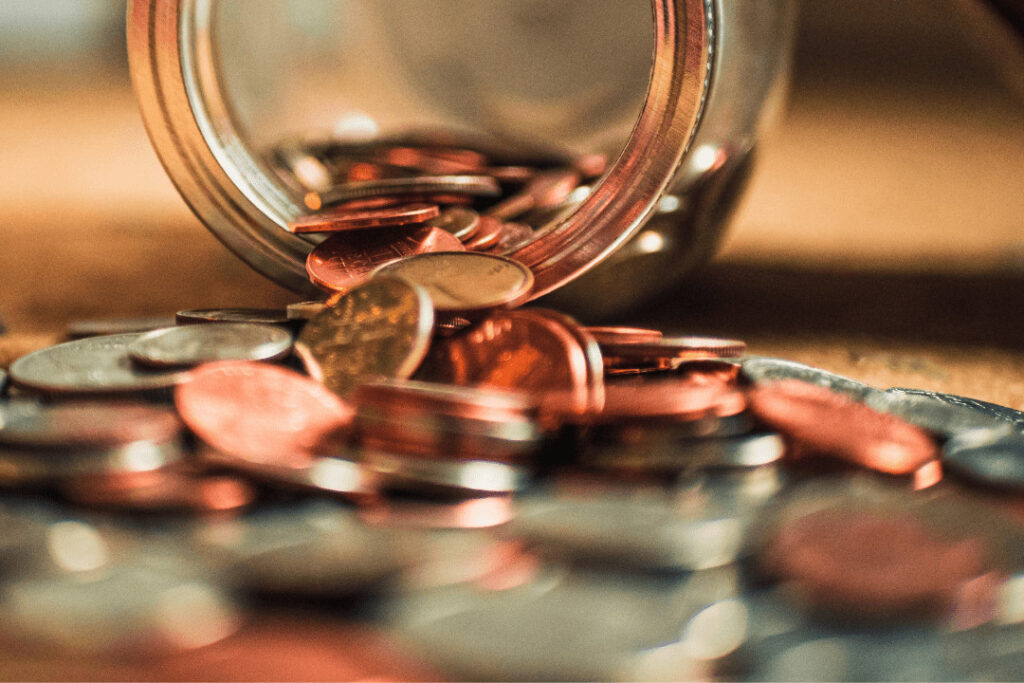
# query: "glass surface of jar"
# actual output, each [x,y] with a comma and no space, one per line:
[673,92]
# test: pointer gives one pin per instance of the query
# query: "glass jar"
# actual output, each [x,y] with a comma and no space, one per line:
[675,91]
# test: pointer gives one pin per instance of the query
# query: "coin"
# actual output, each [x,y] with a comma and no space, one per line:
[930,411]
[346,260]
[546,189]
[190,345]
[80,329]
[27,424]
[465,283]
[91,366]
[261,316]
[513,236]
[476,185]
[352,219]
[820,421]
[167,491]
[473,513]
[380,330]
[453,477]
[996,412]
[867,564]
[304,310]
[990,456]
[488,234]
[461,222]
[32,467]
[681,400]
[534,351]
[685,456]
[631,349]
[259,412]
[759,369]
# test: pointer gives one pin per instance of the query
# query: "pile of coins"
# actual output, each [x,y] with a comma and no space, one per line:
[467,489]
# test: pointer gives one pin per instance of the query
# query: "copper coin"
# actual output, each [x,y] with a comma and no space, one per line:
[870,564]
[591,166]
[682,400]
[388,201]
[465,283]
[27,424]
[623,335]
[259,412]
[360,219]
[819,421]
[346,260]
[163,491]
[435,161]
[380,330]
[444,399]
[476,513]
[512,175]
[476,185]
[461,222]
[487,236]
[513,236]
[673,348]
[535,351]
[95,328]
[547,189]
[263,316]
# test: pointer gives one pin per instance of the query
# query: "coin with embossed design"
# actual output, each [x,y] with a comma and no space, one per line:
[380,330]
[189,345]
[463,282]
[346,260]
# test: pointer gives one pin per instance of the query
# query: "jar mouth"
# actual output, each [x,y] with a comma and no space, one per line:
[230,186]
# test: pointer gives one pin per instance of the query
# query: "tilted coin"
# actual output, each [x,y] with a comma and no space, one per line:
[929,411]
[456,477]
[80,329]
[258,412]
[488,234]
[263,316]
[356,219]
[380,330]
[91,366]
[304,310]
[545,189]
[992,410]
[346,260]
[819,421]
[991,456]
[190,345]
[28,424]
[476,185]
[465,283]
[513,236]
[761,369]
[461,222]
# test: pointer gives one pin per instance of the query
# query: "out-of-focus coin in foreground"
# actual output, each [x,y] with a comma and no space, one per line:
[380,330]
[759,369]
[91,366]
[362,219]
[346,260]
[190,345]
[165,491]
[258,412]
[993,456]
[819,421]
[263,316]
[27,424]
[30,467]
[465,283]
[456,477]
[535,351]
[80,329]
[871,565]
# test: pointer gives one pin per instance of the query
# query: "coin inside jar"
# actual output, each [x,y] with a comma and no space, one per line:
[459,221]
[339,220]
[190,345]
[380,330]
[465,283]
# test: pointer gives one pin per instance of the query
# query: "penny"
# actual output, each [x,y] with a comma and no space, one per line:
[623,335]
[684,400]
[819,421]
[91,366]
[591,166]
[487,236]
[534,351]
[190,345]
[872,565]
[547,189]
[435,161]
[465,283]
[474,513]
[759,369]
[95,328]
[167,492]
[513,236]
[443,399]
[27,424]
[380,330]
[511,175]
[352,219]
[672,348]
[990,456]
[346,260]
[476,185]
[304,310]
[258,412]
[461,222]
[261,316]
[455,477]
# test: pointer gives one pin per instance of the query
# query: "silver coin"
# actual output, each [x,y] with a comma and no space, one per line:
[937,413]
[992,456]
[992,410]
[20,467]
[472,513]
[459,221]
[304,310]
[28,424]
[681,457]
[455,477]
[92,366]
[95,328]
[263,316]
[191,345]
[760,369]
[646,531]
[476,185]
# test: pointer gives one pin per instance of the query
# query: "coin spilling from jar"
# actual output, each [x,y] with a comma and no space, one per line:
[447,484]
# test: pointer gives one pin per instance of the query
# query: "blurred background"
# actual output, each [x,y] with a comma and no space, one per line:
[887,203]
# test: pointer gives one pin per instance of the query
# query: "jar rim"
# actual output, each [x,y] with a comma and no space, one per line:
[232,191]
